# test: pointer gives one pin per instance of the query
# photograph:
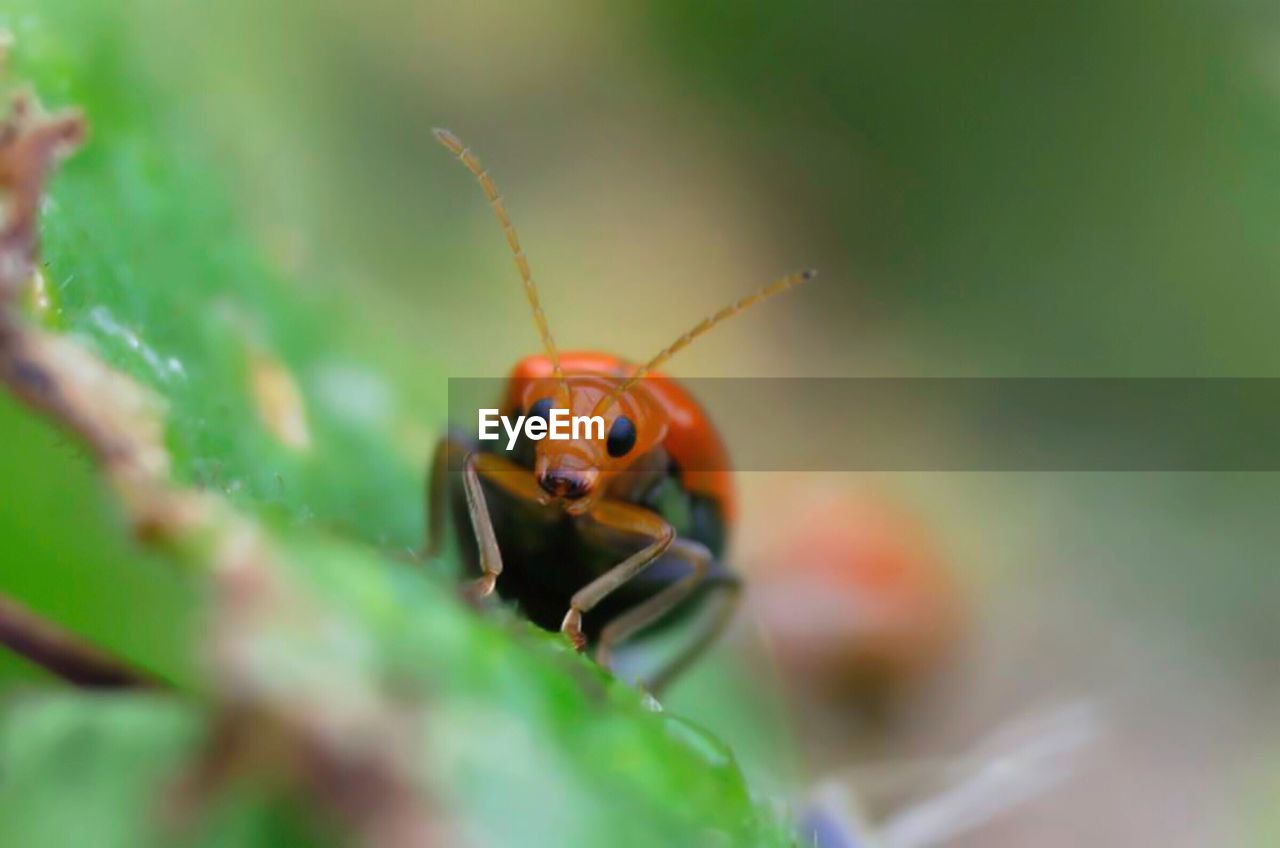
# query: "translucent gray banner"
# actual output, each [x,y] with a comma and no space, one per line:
[996,424]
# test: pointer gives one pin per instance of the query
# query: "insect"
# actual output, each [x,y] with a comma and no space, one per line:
[599,538]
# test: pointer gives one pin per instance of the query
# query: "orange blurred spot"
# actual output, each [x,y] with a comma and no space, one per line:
[856,597]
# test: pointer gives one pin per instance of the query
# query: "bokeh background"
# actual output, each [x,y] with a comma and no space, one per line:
[989,189]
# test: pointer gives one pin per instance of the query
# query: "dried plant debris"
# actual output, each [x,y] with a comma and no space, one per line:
[352,754]
[31,144]
[117,419]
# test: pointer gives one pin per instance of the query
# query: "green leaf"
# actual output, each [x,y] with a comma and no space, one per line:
[516,737]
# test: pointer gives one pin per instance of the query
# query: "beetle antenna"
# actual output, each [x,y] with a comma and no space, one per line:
[702,327]
[472,163]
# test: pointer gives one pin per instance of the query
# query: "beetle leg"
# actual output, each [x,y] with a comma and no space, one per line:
[516,481]
[709,627]
[643,614]
[629,519]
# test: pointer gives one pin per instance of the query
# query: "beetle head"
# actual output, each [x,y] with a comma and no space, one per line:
[575,471]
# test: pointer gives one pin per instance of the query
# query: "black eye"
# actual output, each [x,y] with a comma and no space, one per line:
[622,436]
[541,409]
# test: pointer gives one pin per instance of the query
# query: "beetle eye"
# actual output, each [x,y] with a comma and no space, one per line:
[622,436]
[541,409]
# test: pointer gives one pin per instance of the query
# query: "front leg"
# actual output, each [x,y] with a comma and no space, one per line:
[513,479]
[724,596]
[647,612]
[626,518]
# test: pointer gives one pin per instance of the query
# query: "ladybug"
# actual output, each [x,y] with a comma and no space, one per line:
[603,537]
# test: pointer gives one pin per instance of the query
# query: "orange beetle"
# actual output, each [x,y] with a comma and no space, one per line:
[600,537]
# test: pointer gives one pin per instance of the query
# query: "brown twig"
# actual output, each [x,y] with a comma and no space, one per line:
[61,653]
[351,753]
[30,145]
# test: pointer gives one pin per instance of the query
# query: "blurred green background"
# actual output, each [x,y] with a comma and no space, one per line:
[1035,189]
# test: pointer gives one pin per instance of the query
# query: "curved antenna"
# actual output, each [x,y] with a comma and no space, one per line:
[472,163]
[702,327]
